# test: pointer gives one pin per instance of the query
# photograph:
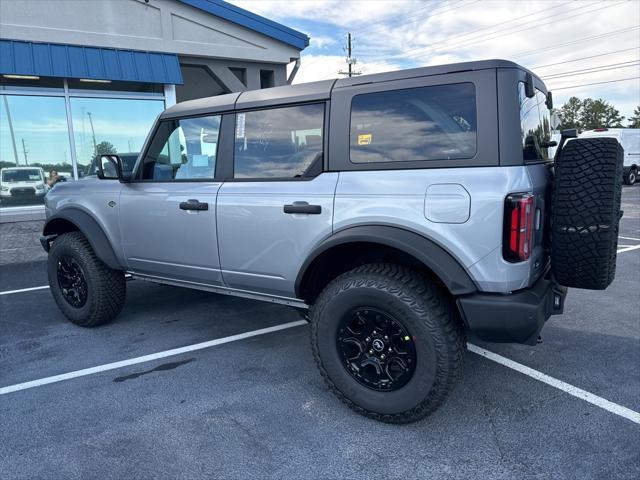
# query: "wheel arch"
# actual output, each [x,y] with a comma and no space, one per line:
[71,220]
[355,246]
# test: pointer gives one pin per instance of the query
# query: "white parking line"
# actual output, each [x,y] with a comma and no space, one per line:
[146,358]
[628,249]
[629,238]
[559,384]
[31,289]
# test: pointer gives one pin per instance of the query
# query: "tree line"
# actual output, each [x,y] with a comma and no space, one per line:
[589,114]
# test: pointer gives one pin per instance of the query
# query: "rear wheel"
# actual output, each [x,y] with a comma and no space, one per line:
[586,213]
[630,176]
[87,291]
[387,342]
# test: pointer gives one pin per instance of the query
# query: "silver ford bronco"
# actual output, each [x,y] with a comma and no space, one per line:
[398,212]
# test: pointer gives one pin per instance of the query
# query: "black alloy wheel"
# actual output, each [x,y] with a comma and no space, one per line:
[376,349]
[72,281]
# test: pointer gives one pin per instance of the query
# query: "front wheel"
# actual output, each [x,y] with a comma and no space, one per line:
[388,342]
[87,291]
[630,176]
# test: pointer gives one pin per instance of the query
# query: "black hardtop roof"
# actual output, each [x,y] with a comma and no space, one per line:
[313,91]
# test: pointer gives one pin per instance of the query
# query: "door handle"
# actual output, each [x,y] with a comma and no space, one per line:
[193,204]
[303,207]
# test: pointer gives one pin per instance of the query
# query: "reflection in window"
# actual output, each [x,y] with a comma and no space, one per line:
[183,150]
[108,125]
[34,143]
[426,123]
[279,142]
[535,125]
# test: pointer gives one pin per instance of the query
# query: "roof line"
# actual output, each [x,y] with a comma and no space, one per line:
[250,20]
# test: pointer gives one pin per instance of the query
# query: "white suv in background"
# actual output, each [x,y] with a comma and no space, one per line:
[22,184]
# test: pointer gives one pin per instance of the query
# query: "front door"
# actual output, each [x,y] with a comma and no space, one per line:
[279,204]
[168,212]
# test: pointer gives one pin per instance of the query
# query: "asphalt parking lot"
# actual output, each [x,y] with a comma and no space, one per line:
[257,408]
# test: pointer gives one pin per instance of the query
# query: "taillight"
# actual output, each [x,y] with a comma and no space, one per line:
[518,227]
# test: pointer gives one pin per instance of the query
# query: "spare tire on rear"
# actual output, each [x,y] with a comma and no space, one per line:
[585,213]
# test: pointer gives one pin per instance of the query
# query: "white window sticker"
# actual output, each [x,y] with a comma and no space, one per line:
[240,125]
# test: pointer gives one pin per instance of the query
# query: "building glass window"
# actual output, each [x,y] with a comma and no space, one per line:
[110,125]
[34,141]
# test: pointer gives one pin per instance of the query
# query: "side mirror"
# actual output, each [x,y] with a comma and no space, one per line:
[109,167]
[529,89]
[549,100]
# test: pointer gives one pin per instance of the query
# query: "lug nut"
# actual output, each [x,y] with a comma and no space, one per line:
[386,337]
[370,352]
[382,356]
[368,339]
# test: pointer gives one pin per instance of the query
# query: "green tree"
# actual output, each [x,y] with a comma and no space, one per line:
[105,148]
[634,122]
[570,114]
[598,114]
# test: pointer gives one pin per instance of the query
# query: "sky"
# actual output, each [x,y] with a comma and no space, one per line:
[551,37]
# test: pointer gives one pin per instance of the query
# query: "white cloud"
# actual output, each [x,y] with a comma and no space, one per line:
[323,67]
[394,34]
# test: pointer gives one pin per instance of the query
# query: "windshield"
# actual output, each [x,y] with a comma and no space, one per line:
[535,125]
[27,175]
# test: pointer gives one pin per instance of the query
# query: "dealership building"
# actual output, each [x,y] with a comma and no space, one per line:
[83,77]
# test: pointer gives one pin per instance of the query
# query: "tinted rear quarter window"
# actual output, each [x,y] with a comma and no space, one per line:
[535,125]
[425,123]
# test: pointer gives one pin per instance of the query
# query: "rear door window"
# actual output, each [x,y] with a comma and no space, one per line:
[426,123]
[281,142]
[535,125]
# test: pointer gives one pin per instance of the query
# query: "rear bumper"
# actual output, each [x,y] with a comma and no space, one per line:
[513,318]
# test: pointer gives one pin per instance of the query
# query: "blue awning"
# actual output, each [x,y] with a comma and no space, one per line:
[72,61]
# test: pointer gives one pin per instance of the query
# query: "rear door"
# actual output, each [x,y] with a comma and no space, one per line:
[168,213]
[277,204]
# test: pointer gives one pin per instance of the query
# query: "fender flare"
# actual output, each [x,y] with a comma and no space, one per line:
[452,274]
[90,228]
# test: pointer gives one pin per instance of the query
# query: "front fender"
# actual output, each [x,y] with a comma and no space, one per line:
[90,228]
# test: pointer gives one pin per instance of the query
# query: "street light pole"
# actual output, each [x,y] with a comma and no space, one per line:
[13,137]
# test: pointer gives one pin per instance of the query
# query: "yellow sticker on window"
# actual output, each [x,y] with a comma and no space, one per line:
[364,139]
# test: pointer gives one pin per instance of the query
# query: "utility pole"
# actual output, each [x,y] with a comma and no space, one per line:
[13,137]
[25,151]
[351,60]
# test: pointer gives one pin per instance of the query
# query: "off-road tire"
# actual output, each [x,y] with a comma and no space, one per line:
[428,314]
[106,288]
[585,213]
[630,176]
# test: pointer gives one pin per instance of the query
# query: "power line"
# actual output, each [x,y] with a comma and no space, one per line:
[579,40]
[445,8]
[585,71]
[531,27]
[595,83]
[584,58]
[448,39]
